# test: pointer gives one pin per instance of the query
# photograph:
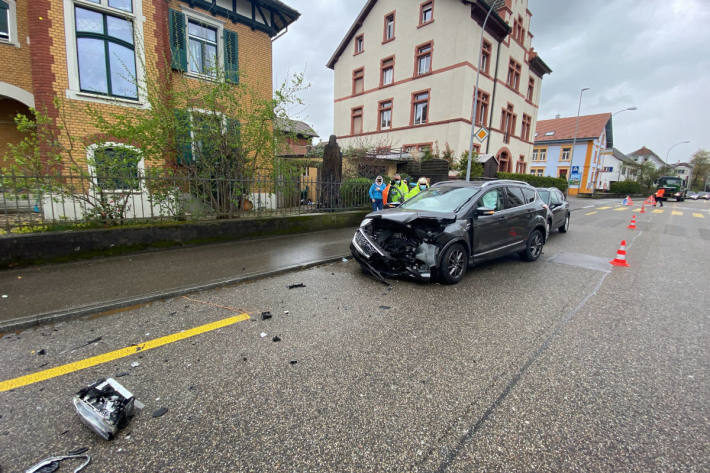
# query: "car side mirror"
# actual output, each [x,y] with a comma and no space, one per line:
[485,211]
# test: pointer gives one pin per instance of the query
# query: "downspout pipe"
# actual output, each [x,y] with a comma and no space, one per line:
[493,97]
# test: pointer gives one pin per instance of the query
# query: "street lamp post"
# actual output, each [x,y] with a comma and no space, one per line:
[596,170]
[630,109]
[493,4]
[576,129]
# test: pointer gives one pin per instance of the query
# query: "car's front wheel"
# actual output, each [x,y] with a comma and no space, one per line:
[454,263]
[533,247]
[565,226]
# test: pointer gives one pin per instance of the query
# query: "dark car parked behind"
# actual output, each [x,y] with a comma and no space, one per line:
[450,226]
[559,208]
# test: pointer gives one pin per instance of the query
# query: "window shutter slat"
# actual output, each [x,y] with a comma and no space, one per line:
[183,138]
[178,35]
[231,56]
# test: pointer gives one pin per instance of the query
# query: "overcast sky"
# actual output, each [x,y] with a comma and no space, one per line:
[651,54]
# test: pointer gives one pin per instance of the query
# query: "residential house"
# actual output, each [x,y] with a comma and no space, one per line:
[644,154]
[295,149]
[405,75]
[684,171]
[616,167]
[553,154]
[98,51]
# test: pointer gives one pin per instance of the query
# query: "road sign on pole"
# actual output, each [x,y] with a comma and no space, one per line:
[482,134]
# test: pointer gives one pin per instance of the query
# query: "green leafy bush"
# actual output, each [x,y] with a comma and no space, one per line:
[354,192]
[625,187]
[536,181]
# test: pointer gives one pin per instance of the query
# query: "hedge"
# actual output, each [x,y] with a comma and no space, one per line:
[536,181]
[625,187]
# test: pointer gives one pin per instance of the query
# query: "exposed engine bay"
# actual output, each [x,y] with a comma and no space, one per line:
[402,245]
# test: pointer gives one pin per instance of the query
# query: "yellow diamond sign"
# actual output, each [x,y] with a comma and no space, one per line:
[482,134]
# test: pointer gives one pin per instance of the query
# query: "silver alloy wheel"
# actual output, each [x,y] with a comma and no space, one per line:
[567,222]
[455,264]
[536,245]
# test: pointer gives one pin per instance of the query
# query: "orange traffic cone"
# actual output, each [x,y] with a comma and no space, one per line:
[629,201]
[643,207]
[620,259]
[632,225]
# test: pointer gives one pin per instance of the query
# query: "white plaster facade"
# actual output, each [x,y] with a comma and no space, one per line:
[454,35]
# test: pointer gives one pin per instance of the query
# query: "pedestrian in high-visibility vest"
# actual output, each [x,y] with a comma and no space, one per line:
[659,196]
[396,190]
[421,185]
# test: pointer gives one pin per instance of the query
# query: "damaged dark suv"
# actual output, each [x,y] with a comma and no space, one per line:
[454,224]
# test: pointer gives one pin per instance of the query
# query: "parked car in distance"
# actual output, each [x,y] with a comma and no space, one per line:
[692,195]
[559,208]
[704,195]
[451,226]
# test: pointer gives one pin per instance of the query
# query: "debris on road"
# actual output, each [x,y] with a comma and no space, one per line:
[266,315]
[4,296]
[344,260]
[297,285]
[263,334]
[51,464]
[135,364]
[276,339]
[78,451]
[160,412]
[104,407]
[293,362]
[285,312]
[42,352]
[121,375]
[385,307]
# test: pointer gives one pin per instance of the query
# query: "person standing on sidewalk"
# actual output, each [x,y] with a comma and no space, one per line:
[659,197]
[422,184]
[376,190]
[396,190]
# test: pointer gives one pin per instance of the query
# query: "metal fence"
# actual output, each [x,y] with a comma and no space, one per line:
[69,201]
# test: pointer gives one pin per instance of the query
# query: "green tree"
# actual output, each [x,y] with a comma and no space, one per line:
[461,165]
[701,169]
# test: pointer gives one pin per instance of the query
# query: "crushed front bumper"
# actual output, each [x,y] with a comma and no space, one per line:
[381,264]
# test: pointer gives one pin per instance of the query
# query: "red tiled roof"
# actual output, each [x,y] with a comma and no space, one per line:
[590,126]
[643,152]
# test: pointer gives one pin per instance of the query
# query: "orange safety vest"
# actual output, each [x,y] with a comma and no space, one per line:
[385,193]
[660,192]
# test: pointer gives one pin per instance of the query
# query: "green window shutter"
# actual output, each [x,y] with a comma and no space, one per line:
[178,38]
[183,139]
[231,56]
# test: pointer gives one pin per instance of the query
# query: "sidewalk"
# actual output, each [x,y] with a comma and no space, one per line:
[53,292]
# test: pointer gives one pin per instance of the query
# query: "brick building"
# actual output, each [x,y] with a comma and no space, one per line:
[84,51]
[405,75]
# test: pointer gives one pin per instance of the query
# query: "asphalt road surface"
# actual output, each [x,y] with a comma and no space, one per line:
[565,364]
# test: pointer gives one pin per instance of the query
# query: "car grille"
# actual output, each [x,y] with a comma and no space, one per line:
[362,243]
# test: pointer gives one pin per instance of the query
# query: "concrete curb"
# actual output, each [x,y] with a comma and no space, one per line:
[93,309]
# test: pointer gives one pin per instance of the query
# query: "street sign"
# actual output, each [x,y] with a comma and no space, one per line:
[482,134]
[575,169]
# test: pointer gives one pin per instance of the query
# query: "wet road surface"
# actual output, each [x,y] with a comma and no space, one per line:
[558,365]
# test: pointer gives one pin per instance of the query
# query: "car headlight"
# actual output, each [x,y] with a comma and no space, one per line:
[365,222]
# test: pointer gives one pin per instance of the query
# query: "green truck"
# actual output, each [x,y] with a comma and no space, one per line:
[673,187]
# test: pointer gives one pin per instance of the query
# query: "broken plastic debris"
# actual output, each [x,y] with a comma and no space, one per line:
[104,407]
[293,362]
[285,312]
[135,364]
[160,412]
[4,296]
[121,375]
[42,352]
[276,339]
[50,465]
[297,285]
[266,315]
[345,260]
[263,334]
[385,307]
[78,451]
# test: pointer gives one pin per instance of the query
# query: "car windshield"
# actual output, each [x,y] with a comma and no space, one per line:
[670,182]
[441,199]
[544,195]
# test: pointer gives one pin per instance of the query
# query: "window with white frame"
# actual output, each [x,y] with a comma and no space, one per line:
[105,48]
[5,21]
[115,167]
[202,57]
[104,60]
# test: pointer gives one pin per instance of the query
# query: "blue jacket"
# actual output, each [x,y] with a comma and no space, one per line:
[376,191]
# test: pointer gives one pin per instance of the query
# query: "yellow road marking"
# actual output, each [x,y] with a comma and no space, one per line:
[637,210]
[677,212]
[697,215]
[658,211]
[604,208]
[592,213]
[116,354]
[621,209]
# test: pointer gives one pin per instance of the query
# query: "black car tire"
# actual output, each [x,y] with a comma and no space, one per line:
[533,247]
[454,263]
[565,226]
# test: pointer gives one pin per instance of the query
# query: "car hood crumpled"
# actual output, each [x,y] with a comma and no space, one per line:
[404,216]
